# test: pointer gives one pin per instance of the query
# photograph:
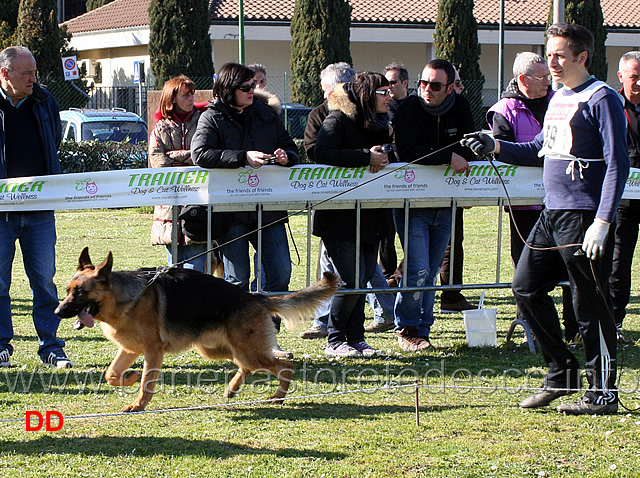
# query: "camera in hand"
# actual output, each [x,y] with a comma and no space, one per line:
[386,148]
[271,159]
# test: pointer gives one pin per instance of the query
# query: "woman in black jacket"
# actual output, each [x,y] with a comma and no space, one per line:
[353,135]
[235,132]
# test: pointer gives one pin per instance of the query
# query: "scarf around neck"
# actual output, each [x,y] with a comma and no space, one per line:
[442,108]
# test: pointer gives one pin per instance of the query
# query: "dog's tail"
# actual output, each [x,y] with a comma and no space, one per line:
[304,304]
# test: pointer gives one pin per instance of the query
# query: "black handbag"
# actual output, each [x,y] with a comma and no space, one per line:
[193,222]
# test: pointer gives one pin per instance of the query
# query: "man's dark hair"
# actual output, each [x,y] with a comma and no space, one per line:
[440,64]
[579,38]
[403,73]
[228,79]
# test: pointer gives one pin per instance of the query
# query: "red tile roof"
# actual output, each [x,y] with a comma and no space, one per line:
[618,14]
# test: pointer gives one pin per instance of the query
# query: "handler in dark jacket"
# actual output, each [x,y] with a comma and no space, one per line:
[352,136]
[236,132]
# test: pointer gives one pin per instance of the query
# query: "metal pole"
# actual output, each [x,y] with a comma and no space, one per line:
[501,51]
[241,32]
[558,11]
[558,17]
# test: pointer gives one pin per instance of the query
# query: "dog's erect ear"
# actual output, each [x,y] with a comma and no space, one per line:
[84,261]
[104,269]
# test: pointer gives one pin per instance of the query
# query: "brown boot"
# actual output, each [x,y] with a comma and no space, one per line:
[409,340]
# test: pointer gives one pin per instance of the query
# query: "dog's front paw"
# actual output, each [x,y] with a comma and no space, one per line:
[134,407]
[228,393]
[276,400]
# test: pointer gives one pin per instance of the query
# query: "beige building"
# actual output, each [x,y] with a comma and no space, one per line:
[109,39]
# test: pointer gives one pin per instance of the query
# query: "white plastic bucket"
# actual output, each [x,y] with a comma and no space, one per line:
[480,327]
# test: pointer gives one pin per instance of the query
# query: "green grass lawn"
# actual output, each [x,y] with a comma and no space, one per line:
[344,419]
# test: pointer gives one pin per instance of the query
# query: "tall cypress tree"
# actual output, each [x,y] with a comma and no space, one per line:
[179,41]
[8,22]
[456,40]
[588,13]
[38,31]
[319,37]
[9,13]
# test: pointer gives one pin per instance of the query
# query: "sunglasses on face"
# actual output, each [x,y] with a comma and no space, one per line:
[435,85]
[383,92]
[541,78]
[393,82]
[247,88]
[458,83]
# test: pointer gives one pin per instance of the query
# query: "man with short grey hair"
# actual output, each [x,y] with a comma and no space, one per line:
[329,77]
[628,213]
[30,133]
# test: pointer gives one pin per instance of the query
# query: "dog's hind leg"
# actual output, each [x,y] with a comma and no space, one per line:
[284,371]
[279,368]
[115,374]
[236,382]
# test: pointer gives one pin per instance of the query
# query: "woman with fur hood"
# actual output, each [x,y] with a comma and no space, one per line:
[353,136]
[170,145]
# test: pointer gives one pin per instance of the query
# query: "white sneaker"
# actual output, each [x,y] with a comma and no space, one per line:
[364,348]
[5,358]
[58,360]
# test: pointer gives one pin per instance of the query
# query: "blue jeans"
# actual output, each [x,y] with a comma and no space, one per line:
[185,252]
[276,260]
[382,304]
[36,232]
[429,233]
[325,265]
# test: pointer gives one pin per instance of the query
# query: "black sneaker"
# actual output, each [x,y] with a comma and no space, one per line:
[375,327]
[5,358]
[543,398]
[455,307]
[591,404]
[58,360]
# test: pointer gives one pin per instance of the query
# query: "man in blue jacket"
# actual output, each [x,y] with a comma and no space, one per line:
[583,150]
[30,133]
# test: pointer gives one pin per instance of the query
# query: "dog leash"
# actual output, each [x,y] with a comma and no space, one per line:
[310,207]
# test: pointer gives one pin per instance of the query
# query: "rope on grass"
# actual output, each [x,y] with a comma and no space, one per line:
[305,397]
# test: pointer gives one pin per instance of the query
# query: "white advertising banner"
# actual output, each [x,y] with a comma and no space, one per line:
[303,182]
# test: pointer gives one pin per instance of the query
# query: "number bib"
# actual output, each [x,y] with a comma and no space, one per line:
[558,136]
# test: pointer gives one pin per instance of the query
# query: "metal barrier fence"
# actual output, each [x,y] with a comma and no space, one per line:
[406,204]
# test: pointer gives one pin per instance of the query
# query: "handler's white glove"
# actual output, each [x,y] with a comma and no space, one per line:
[480,142]
[594,238]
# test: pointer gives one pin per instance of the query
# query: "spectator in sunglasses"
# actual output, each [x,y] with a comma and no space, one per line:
[235,131]
[353,135]
[436,117]
[398,77]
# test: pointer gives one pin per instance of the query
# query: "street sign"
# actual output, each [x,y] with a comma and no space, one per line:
[70,68]
[136,72]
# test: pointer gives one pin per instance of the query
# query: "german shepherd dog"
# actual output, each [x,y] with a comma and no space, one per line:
[150,313]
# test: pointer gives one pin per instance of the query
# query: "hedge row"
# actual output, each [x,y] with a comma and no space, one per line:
[80,157]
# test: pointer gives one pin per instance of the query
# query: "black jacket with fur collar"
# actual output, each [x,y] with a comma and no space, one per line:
[343,141]
[223,137]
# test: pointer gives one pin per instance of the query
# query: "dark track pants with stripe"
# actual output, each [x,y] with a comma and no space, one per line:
[538,272]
